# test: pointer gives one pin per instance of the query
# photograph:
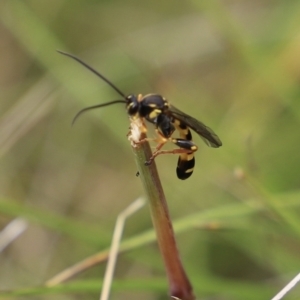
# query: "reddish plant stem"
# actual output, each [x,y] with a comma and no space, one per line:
[179,285]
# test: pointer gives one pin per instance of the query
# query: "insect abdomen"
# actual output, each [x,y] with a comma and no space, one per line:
[185,165]
[186,160]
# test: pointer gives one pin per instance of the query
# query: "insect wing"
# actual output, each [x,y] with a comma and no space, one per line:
[207,134]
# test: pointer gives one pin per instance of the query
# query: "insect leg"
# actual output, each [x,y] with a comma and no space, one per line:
[159,152]
[186,149]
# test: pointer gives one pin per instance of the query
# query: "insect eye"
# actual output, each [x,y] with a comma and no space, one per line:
[132,105]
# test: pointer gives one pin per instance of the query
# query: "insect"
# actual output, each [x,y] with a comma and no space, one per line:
[166,118]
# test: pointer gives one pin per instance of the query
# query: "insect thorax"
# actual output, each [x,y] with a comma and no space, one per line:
[154,108]
[151,106]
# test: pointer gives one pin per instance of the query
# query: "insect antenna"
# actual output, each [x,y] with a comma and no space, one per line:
[103,78]
[94,71]
[95,106]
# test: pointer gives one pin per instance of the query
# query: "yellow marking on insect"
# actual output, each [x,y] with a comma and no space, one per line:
[189,170]
[153,105]
[184,131]
[177,122]
[140,98]
[190,157]
[154,113]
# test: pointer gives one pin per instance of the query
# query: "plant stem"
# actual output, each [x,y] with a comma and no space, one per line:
[179,285]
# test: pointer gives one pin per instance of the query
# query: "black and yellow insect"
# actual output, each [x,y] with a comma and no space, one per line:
[166,118]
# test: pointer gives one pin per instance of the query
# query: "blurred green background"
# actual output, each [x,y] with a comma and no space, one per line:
[234,65]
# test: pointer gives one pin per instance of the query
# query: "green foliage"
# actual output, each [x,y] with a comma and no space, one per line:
[232,64]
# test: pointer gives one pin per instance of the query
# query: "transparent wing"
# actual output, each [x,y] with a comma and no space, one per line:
[207,134]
